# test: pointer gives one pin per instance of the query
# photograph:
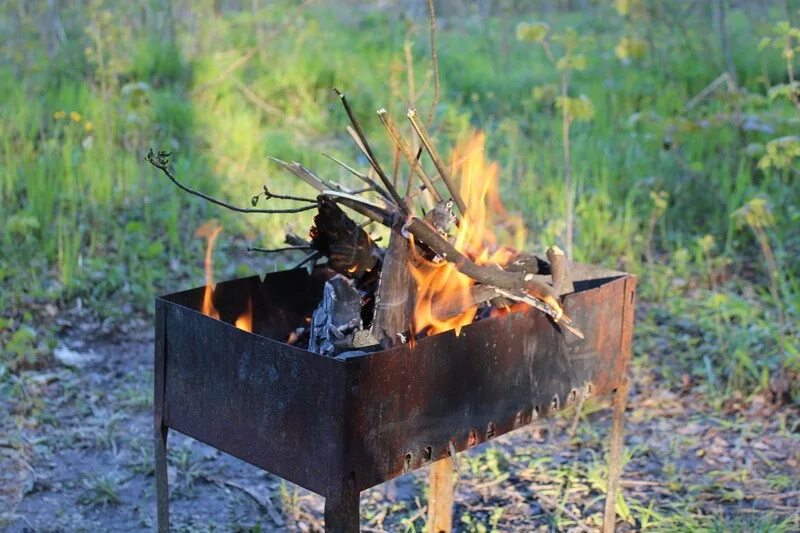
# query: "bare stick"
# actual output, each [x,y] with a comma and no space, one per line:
[306,175]
[558,316]
[269,195]
[310,257]
[408,153]
[368,209]
[437,160]
[276,250]
[363,177]
[576,417]
[387,183]
[435,61]
[160,160]
[615,456]
[562,281]
[447,308]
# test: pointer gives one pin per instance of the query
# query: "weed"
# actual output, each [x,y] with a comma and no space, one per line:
[100,490]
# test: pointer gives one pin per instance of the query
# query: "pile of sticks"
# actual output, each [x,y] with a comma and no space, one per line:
[422,217]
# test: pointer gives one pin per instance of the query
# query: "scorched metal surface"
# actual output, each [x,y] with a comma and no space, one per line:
[339,426]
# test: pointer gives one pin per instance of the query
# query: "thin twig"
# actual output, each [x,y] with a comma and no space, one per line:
[310,257]
[363,177]
[437,160]
[435,61]
[160,160]
[276,250]
[407,151]
[371,156]
[269,194]
[309,177]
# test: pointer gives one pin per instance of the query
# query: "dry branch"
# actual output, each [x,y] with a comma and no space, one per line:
[387,183]
[160,160]
[277,250]
[408,152]
[419,127]
[366,179]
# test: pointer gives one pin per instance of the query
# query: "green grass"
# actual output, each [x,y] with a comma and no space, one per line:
[85,217]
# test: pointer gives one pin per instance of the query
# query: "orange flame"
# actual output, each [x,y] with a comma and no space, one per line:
[210,231]
[474,237]
[245,320]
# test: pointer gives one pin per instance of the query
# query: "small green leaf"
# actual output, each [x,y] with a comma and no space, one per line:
[532,31]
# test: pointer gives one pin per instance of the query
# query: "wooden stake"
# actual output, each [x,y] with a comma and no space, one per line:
[440,501]
[615,456]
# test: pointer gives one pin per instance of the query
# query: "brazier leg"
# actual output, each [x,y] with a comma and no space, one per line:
[342,512]
[162,488]
[440,502]
[615,457]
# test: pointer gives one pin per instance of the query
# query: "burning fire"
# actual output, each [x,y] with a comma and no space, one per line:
[210,231]
[245,320]
[474,237]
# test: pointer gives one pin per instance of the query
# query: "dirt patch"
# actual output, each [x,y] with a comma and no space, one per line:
[77,455]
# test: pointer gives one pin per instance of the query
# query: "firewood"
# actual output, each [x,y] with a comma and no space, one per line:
[488,275]
[360,175]
[403,147]
[528,263]
[348,247]
[387,183]
[437,160]
[562,281]
[394,299]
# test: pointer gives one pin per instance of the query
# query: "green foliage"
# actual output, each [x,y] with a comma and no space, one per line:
[657,186]
[535,31]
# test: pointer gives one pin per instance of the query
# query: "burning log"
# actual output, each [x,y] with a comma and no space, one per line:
[488,275]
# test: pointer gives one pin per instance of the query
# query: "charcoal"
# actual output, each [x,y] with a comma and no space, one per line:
[337,316]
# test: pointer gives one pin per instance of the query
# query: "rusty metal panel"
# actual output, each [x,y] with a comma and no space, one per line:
[273,405]
[326,423]
[407,405]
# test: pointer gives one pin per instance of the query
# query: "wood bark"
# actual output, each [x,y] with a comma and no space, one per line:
[440,503]
[394,299]
[559,269]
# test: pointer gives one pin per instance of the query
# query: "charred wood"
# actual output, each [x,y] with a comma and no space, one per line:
[337,316]
[348,247]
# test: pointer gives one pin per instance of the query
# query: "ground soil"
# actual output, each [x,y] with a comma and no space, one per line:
[76,455]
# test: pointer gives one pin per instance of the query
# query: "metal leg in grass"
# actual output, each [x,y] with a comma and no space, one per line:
[615,456]
[161,431]
[162,488]
[342,512]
